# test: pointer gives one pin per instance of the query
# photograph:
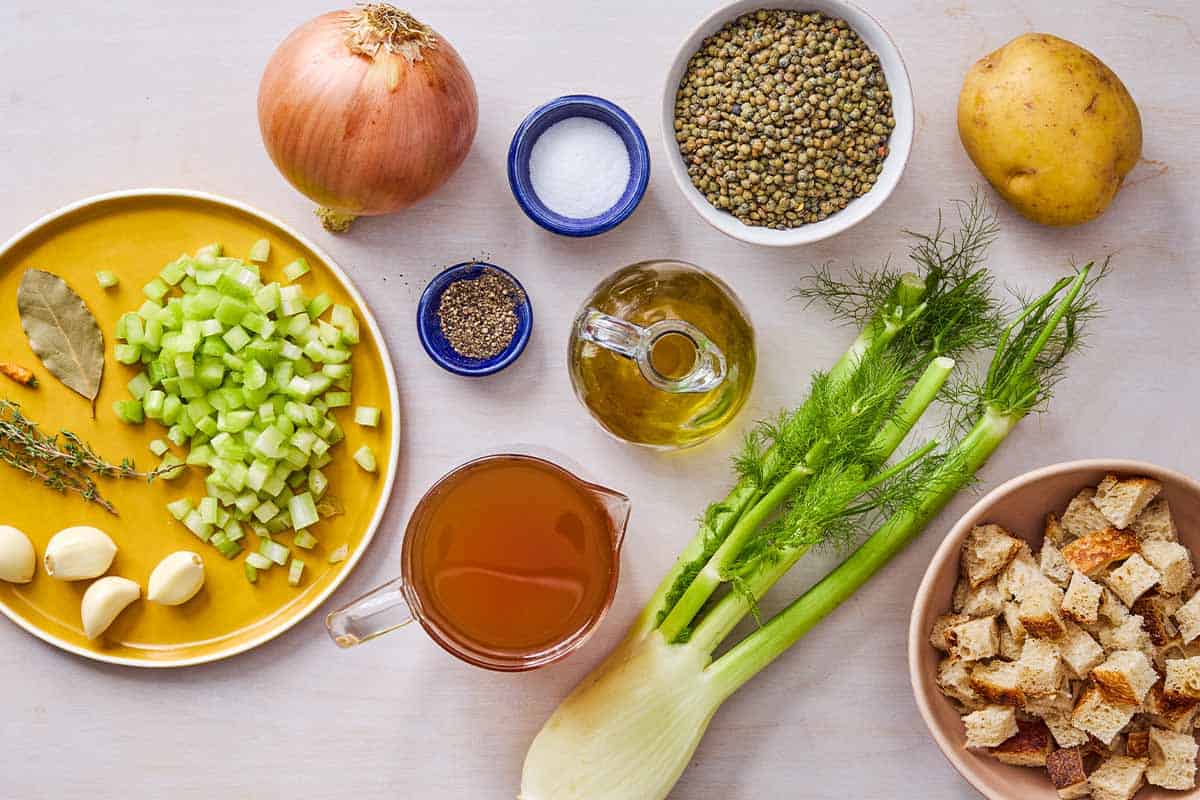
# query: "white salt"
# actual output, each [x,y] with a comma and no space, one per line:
[579,167]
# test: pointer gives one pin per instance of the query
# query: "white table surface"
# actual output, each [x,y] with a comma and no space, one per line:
[101,96]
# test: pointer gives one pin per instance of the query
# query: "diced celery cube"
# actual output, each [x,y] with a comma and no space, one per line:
[129,411]
[175,271]
[304,540]
[260,251]
[107,279]
[337,399]
[296,269]
[170,467]
[295,571]
[339,554]
[258,561]
[179,508]
[367,416]
[318,305]
[365,458]
[156,289]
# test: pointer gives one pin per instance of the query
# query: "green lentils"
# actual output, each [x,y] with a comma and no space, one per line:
[783,118]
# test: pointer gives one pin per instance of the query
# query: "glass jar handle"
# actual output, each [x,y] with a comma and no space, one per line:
[636,342]
[379,611]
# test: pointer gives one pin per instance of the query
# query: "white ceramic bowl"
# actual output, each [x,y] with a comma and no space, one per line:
[900,145]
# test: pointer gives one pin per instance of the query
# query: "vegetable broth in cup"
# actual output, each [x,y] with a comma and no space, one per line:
[509,563]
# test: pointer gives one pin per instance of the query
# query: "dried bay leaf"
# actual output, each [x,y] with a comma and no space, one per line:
[62,332]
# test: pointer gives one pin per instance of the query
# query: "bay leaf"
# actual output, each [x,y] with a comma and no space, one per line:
[62,331]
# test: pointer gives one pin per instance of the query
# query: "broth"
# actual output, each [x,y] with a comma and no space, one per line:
[513,556]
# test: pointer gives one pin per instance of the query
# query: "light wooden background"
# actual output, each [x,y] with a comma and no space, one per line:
[100,96]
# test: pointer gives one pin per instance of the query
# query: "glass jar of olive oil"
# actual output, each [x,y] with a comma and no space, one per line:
[662,354]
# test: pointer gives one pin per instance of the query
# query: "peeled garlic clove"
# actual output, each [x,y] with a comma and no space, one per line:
[17,559]
[176,579]
[104,600]
[80,553]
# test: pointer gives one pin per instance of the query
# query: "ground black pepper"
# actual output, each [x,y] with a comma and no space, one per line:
[478,316]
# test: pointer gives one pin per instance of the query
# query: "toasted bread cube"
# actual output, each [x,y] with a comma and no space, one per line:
[986,551]
[937,636]
[1054,532]
[1061,702]
[1065,734]
[1155,611]
[983,600]
[1183,678]
[1067,772]
[1172,759]
[974,640]
[1117,778]
[1082,516]
[1132,579]
[1081,602]
[1079,650]
[1156,523]
[1122,500]
[998,682]
[1126,676]
[1012,621]
[1173,713]
[990,726]
[1009,649]
[954,679]
[1188,618]
[1173,563]
[1112,609]
[1137,744]
[1129,635]
[1040,612]
[1030,747]
[1020,575]
[1098,716]
[1039,670]
[1092,553]
[1053,565]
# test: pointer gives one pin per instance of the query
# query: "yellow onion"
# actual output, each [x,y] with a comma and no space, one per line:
[366,111]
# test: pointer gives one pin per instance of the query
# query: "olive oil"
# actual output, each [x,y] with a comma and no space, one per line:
[614,385]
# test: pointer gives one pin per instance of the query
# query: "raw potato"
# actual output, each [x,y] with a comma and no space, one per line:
[17,559]
[1051,127]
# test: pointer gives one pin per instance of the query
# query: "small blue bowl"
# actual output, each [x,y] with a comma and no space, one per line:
[430,329]
[577,105]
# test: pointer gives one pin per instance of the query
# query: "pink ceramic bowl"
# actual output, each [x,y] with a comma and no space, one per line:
[1020,505]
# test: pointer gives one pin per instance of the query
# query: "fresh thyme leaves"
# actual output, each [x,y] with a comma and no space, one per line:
[61,461]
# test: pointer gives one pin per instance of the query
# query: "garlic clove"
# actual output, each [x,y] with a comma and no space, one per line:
[17,559]
[176,579]
[79,553]
[104,600]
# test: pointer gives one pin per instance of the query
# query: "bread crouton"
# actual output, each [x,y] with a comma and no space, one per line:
[1126,676]
[1039,670]
[1155,612]
[1054,532]
[1061,702]
[1012,621]
[1093,552]
[1137,744]
[1156,523]
[1187,616]
[974,640]
[1079,650]
[1053,565]
[1173,563]
[1030,747]
[986,551]
[937,636]
[1121,500]
[1021,576]
[997,682]
[954,679]
[1081,602]
[1183,678]
[1040,612]
[990,726]
[1173,713]
[1129,635]
[984,600]
[1172,759]
[1064,733]
[1117,778]
[1100,717]
[1067,772]
[1132,579]
[1082,516]
[1009,649]
[1112,609]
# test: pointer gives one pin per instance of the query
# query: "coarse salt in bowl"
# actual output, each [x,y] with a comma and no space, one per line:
[573,177]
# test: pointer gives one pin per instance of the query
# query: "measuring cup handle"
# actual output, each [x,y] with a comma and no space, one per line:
[379,611]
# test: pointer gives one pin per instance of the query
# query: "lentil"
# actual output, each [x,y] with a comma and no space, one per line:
[478,316]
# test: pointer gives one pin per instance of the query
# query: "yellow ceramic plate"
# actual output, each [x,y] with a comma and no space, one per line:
[133,234]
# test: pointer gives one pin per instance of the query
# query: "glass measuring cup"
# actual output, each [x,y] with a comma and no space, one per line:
[509,562]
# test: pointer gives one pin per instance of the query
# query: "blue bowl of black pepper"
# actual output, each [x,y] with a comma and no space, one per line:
[474,319]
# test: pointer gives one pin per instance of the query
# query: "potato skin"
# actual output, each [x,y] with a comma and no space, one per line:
[1051,127]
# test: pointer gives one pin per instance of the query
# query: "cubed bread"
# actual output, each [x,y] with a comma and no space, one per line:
[1112,609]
[998,682]
[1009,649]
[1012,620]
[937,636]
[1173,713]
[1183,678]
[1061,702]
[1039,670]
[1187,616]
[1021,575]
[1100,717]
[1067,772]
[974,640]
[1121,500]
[1132,579]
[1117,778]
[1082,516]
[1030,747]
[1054,532]
[1095,551]
[1126,676]
[1173,563]
[954,679]
[986,551]
[1053,565]
[1081,602]
[983,600]
[1155,611]
[1040,612]
[1137,743]
[1156,523]
[1129,635]
[1065,734]
[990,726]
[1172,759]
[1079,650]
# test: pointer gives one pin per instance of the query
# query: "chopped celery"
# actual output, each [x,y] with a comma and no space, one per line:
[208,510]
[260,251]
[158,447]
[249,570]
[367,416]
[258,561]
[296,269]
[295,571]
[179,508]
[129,411]
[338,399]
[156,289]
[318,305]
[303,509]
[365,458]
[196,524]
[276,552]
[168,461]
[107,279]
[139,385]
[304,540]
[339,554]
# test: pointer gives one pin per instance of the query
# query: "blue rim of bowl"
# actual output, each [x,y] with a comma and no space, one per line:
[558,109]
[430,331]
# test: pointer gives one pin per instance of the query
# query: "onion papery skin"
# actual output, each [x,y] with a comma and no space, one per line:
[364,135]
